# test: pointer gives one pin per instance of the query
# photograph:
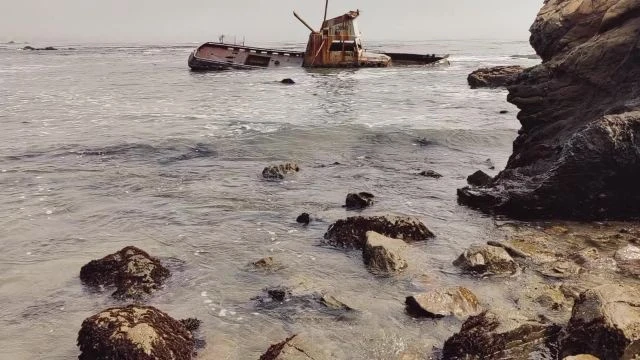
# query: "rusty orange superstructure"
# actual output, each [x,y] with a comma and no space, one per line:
[339,44]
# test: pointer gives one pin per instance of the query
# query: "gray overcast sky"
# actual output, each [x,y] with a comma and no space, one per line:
[166,21]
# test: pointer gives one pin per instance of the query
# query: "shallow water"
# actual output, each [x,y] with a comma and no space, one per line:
[107,146]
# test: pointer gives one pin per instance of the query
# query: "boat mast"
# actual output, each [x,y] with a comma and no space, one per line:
[326,6]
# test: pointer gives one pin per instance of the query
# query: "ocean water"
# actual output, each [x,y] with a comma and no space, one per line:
[104,146]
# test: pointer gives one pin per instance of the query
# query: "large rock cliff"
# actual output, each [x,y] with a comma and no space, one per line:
[578,151]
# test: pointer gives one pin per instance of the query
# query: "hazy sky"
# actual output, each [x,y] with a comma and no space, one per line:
[165,21]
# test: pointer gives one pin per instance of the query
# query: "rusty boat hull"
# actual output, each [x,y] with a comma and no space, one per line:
[221,56]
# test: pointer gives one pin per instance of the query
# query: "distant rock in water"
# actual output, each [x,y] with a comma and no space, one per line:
[577,155]
[499,76]
[136,332]
[278,172]
[133,272]
[359,201]
[431,174]
[48,48]
[530,56]
[11,42]
[303,218]
[351,232]
[288,81]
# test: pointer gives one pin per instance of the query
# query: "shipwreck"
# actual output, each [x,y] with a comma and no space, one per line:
[338,44]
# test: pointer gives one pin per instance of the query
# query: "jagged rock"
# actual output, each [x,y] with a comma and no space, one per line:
[605,322]
[479,178]
[303,218]
[295,348]
[133,272]
[288,81]
[490,336]
[457,301]
[499,76]
[577,154]
[628,259]
[487,260]
[135,333]
[278,172]
[383,254]
[351,232]
[431,174]
[359,201]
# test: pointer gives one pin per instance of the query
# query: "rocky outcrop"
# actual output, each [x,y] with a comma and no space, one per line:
[487,260]
[136,333]
[479,178]
[359,201]
[351,232]
[384,254]
[499,76]
[278,172]
[605,322]
[457,301]
[496,337]
[577,154]
[133,273]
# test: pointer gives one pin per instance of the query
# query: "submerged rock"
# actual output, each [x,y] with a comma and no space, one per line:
[303,218]
[268,264]
[479,178]
[384,254]
[605,322]
[351,232]
[577,154]
[499,76]
[285,299]
[132,271]
[278,172]
[628,259]
[487,260]
[359,201]
[457,301]
[490,336]
[295,348]
[431,174]
[135,333]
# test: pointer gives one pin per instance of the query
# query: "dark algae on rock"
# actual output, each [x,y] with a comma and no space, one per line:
[351,232]
[577,154]
[135,333]
[133,273]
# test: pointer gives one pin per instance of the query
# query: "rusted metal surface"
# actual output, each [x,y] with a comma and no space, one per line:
[339,44]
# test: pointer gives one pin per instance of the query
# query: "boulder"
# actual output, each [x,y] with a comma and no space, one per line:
[295,347]
[303,218]
[605,322]
[479,178]
[278,172]
[135,333]
[431,174]
[133,273]
[499,76]
[384,254]
[628,259]
[501,337]
[457,301]
[487,260]
[359,201]
[351,232]
[576,155]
